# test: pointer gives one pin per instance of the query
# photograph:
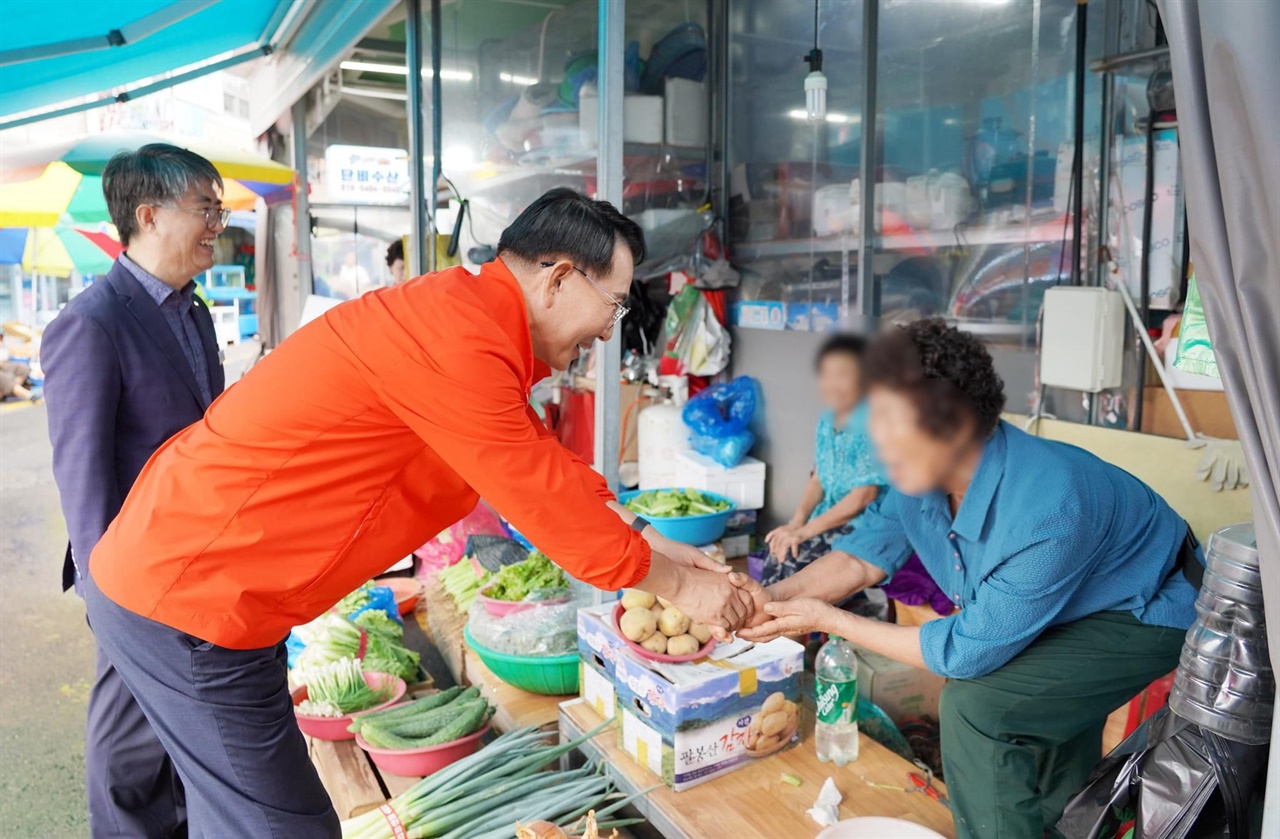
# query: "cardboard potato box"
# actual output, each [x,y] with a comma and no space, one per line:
[689,723]
[599,649]
[900,690]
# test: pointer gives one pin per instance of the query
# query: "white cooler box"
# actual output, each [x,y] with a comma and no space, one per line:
[743,484]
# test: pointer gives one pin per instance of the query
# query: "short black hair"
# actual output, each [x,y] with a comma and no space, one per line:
[156,173]
[396,251]
[841,343]
[948,374]
[565,223]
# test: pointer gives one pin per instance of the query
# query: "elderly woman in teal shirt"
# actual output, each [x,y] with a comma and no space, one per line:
[846,478]
[1069,574]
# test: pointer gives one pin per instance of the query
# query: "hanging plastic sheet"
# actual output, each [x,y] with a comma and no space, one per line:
[1195,349]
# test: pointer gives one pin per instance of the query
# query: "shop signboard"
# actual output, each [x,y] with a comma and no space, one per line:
[366,174]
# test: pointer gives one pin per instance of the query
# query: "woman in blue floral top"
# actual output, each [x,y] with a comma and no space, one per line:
[846,479]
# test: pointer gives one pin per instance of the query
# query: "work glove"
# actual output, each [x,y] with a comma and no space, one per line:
[1222,463]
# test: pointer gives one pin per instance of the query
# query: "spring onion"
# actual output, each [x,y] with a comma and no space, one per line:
[485,794]
[339,688]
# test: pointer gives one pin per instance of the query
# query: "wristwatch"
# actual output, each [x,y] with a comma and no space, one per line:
[639,524]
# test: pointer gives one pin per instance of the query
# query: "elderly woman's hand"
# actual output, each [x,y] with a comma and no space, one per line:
[789,618]
[786,540]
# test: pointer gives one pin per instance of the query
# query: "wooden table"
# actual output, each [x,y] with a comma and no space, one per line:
[754,801]
[354,784]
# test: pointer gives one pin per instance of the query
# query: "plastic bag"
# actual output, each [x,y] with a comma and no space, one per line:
[539,629]
[1195,349]
[449,546]
[696,343]
[720,419]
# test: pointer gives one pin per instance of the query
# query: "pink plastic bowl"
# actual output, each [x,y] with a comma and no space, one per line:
[335,728]
[502,608]
[666,659]
[422,762]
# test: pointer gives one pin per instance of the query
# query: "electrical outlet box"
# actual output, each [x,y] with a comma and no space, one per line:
[1082,341]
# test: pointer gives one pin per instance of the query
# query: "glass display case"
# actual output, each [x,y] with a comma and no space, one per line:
[972,161]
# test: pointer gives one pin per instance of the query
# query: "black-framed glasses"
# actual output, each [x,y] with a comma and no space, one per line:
[619,310]
[213,216]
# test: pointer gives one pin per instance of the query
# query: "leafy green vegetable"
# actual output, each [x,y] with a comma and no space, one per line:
[339,688]
[462,581]
[517,582]
[357,599]
[672,503]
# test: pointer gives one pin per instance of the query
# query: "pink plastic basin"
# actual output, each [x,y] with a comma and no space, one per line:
[652,656]
[502,608]
[406,589]
[424,761]
[335,728]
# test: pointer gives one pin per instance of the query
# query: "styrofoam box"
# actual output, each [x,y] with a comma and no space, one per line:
[743,484]
[641,118]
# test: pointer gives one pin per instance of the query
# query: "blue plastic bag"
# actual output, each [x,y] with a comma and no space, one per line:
[720,419]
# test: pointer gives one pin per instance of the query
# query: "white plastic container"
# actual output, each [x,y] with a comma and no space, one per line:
[661,436]
[743,484]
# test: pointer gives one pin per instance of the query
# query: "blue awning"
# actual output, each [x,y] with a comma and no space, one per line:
[54,56]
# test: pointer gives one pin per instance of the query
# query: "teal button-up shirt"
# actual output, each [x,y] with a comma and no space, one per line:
[1047,533]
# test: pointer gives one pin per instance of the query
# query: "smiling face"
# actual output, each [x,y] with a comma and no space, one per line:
[916,461]
[175,241]
[568,312]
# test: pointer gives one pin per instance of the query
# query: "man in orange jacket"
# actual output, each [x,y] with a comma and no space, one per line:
[358,438]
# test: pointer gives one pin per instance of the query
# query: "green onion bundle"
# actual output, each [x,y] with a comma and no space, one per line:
[338,688]
[483,796]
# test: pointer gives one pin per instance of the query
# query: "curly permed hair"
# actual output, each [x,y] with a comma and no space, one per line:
[947,373]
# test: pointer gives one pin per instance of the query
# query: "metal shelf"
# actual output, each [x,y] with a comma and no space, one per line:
[1047,231]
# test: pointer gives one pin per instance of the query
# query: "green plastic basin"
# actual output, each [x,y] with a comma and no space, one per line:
[550,676]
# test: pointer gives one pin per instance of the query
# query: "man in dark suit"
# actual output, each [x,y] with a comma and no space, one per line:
[128,363]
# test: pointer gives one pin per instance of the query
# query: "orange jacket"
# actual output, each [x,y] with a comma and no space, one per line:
[359,438]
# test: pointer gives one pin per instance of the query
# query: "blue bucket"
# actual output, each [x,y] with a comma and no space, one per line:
[692,530]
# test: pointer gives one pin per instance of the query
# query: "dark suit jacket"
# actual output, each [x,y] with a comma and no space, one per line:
[117,386]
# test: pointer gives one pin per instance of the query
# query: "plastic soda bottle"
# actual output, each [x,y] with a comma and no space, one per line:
[836,671]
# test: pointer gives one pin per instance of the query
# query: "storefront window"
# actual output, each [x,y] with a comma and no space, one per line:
[790,205]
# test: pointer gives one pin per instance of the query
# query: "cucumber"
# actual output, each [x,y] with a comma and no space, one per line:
[467,722]
[429,723]
[471,717]
[435,700]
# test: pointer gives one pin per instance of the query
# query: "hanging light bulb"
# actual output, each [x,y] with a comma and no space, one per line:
[815,94]
[815,84]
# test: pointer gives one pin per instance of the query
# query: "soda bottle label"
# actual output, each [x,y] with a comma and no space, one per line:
[836,701]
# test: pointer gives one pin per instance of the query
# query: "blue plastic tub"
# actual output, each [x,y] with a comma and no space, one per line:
[692,530]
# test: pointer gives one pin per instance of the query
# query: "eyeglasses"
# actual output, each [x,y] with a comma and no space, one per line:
[619,310]
[213,216]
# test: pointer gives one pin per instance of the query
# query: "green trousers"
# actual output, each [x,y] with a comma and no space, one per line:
[1019,741]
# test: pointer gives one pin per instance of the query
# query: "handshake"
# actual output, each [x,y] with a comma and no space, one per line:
[729,603]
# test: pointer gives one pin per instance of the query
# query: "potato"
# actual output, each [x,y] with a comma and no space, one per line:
[774,702]
[657,610]
[772,725]
[664,602]
[634,597]
[700,631]
[655,643]
[673,622]
[766,743]
[682,645]
[638,624]
[793,715]
[753,737]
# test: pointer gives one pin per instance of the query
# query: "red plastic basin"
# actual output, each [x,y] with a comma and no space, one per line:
[335,728]
[424,761]
[407,591]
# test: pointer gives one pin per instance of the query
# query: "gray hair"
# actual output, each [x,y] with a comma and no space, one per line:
[157,173]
